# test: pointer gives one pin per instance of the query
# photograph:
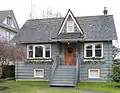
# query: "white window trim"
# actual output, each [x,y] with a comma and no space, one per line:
[71,25]
[34,45]
[39,76]
[93,49]
[93,70]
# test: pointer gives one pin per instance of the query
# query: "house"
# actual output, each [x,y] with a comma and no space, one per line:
[66,51]
[8,25]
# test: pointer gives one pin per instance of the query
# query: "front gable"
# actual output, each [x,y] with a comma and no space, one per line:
[70,24]
[10,20]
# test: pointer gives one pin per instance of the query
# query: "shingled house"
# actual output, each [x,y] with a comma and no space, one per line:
[66,51]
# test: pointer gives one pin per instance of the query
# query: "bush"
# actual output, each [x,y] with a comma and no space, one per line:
[115,74]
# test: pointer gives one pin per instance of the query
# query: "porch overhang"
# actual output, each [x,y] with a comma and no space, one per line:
[67,40]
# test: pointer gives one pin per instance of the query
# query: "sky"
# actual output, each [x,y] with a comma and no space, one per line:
[22,8]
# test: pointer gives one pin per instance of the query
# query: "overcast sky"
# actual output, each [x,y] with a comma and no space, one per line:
[22,8]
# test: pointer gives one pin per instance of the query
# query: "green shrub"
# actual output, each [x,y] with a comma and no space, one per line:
[115,74]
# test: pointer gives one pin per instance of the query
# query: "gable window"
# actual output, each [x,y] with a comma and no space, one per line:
[70,26]
[39,51]
[9,20]
[93,73]
[93,50]
[39,73]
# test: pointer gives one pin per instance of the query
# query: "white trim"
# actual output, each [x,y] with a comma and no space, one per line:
[34,45]
[39,76]
[93,69]
[69,13]
[93,49]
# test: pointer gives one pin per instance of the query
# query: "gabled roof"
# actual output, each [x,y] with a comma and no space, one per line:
[69,13]
[3,15]
[95,28]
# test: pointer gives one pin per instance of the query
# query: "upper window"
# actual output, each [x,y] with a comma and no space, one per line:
[93,50]
[38,51]
[70,26]
[9,20]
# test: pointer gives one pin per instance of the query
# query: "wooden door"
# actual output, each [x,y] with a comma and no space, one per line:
[70,55]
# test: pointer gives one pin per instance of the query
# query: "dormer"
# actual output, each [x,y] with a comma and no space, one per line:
[70,24]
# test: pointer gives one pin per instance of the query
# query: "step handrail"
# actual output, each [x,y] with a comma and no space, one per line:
[54,66]
[77,70]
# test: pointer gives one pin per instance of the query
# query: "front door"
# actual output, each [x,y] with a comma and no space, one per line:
[70,55]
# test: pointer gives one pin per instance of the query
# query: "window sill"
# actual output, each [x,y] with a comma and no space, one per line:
[38,60]
[94,60]
[93,57]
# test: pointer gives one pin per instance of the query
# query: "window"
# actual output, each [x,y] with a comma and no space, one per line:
[70,26]
[9,20]
[93,73]
[38,51]
[93,50]
[39,73]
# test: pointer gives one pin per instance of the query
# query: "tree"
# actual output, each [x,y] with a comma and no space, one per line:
[10,53]
[49,14]
[115,74]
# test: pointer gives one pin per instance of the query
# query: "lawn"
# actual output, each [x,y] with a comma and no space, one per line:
[109,87]
[43,87]
[33,87]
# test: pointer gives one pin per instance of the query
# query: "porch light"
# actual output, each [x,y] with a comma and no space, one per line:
[68,42]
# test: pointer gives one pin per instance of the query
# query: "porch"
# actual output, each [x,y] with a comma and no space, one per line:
[65,69]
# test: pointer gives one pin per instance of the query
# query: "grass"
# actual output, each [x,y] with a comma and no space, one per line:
[33,87]
[43,87]
[109,87]
[0,70]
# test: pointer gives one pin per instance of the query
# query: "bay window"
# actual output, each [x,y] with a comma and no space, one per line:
[38,51]
[92,50]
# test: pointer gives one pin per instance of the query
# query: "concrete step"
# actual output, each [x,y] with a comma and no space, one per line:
[64,76]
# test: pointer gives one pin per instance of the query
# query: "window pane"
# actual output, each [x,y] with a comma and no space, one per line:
[30,54]
[30,47]
[98,46]
[89,51]
[98,53]
[47,51]
[38,51]
[89,47]
[94,73]
[39,73]
[70,28]
[98,50]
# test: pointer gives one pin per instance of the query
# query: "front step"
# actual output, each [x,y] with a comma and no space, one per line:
[64,76]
